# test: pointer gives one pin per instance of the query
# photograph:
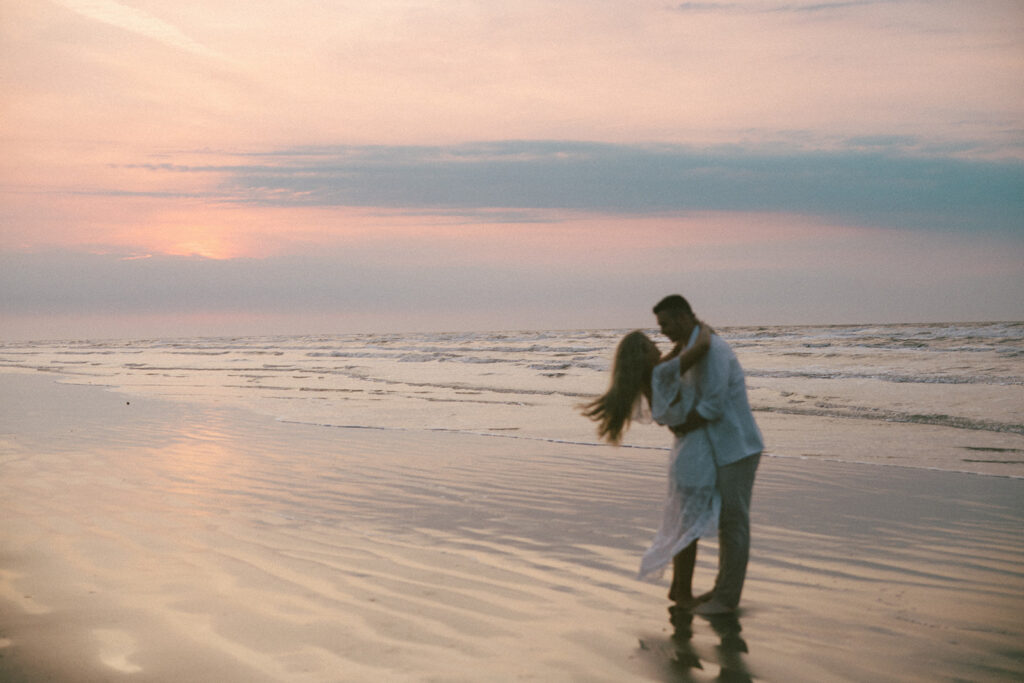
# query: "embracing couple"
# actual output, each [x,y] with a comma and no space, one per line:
[698,391]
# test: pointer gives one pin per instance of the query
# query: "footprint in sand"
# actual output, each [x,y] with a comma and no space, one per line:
[115,649]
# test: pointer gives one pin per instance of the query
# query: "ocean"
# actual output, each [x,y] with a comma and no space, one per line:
[933,396]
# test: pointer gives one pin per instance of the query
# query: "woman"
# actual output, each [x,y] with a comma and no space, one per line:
[692,504]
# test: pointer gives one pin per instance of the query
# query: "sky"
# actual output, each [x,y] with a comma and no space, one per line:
[229,167]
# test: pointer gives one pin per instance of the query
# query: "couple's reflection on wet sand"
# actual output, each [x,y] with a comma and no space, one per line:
[731,648]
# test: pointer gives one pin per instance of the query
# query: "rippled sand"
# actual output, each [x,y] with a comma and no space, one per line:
[144,540]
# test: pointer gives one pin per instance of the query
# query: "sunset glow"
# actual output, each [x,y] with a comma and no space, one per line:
[776,161]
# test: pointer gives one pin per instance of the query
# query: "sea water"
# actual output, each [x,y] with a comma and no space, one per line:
[941,396]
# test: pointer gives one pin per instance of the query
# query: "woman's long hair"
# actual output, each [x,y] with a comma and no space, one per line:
[631,379]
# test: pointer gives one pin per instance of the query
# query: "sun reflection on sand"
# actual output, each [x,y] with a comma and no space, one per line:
[191,542]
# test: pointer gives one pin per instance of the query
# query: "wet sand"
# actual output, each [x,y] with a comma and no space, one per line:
[144,540]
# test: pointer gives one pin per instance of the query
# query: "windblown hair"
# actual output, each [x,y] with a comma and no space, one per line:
[631,380]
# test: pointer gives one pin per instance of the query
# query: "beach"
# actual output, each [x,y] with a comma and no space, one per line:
[145,539]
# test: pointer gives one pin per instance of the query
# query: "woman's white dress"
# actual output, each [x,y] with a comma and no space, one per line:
[693,503]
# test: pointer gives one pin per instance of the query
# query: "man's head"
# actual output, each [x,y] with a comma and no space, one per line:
[675,317]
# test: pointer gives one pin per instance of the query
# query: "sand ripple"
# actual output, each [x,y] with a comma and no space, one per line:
[173,542]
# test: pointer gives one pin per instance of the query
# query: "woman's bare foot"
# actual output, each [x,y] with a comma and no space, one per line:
[689,602]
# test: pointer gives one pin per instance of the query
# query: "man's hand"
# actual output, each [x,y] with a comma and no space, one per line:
[693,421]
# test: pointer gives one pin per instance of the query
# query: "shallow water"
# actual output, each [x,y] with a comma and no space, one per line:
[946,396]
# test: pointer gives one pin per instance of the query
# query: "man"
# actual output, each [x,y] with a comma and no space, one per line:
[722,407]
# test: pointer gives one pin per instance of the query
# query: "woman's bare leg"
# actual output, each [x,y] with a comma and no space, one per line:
[683,563]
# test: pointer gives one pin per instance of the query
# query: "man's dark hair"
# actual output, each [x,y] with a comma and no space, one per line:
[674,303]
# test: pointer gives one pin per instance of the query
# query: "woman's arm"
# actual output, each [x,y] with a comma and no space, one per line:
[689,357]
